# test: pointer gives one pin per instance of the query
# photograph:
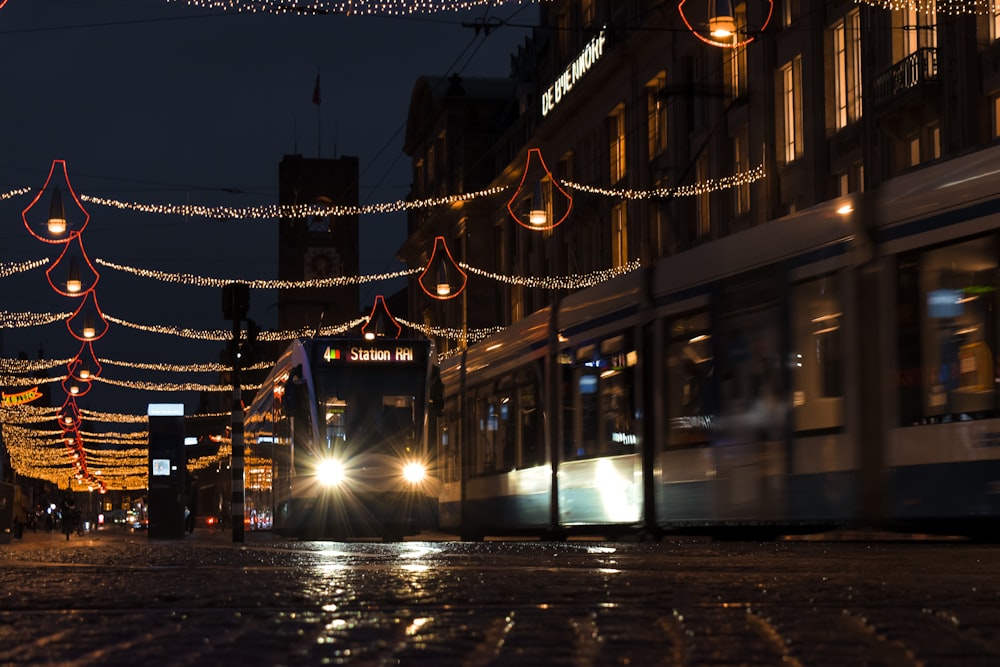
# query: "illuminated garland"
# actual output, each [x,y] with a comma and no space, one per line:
[949,7]
[557,282]
[703,188]
[20,267]
[14,193]
[346,7]
[222,334]
[174,386]
[272,211]
[183,368]
[30,365]
[202,281]
[14,381]
[9,320]
[471,336]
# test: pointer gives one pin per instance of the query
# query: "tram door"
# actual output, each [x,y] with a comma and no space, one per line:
[749,439]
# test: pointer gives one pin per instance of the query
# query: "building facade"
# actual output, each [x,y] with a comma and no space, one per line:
[668,143]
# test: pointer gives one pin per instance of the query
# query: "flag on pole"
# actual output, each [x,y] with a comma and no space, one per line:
[316,99]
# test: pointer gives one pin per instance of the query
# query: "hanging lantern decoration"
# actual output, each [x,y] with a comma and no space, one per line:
[718,25]
[79,276]
[63,216]
[87,323]
[85,366]
[539,212]
[443,278]
[75,387]
[380,322]
[69,415]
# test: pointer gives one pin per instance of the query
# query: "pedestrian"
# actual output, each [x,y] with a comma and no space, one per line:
[69,514]
[20,512]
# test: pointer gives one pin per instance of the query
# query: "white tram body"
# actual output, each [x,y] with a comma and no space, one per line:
[834,367]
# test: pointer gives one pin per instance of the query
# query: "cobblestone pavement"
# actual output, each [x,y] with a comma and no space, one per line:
[122,599]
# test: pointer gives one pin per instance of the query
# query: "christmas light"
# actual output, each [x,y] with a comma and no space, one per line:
[541,217]
[57,221]
[347,7]
[441,272]
[470,336]
[223,334]
[380,322]
[20,267]
[274,211]
[9,320]
[948,7]
[30,365]
[558,282]
[720,24]
[203,281]
[184,368]
[68,272]
[14,193]
[701,188]
[174,386]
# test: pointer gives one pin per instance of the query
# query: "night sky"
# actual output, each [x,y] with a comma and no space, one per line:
[158,102]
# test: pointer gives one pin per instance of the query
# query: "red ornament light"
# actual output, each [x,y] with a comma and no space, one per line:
[85,366]
[63,217]
[436,280]
[73,270]
[87,323]
[538,216]
[380,321]
[69,415]
[722,33]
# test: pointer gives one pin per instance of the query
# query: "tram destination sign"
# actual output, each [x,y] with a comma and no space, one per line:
[361,354]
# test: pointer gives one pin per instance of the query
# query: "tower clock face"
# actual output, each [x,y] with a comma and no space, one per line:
[319,224]
[322,263]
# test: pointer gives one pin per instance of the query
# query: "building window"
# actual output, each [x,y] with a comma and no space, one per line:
[616,143]
[843,184]
[619,236]
[918,30]
[587,14]
[736,59]
[995,20]
[935,141]
[656,114]
[847,69]
[789,10]
[791,109]
[996,116]
[913,151]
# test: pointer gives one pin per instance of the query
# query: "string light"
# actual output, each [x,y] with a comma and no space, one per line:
[558,282]
[175,386]
[202,281]
[702,188]
[949,7]
[346,7]
[30,365]
[470,336]
[12,381]
[10,320]
[272,211]
[222,334]
[20,267]
[14,193]
[183,368]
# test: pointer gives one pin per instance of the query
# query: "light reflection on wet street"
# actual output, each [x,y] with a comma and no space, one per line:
[126,600]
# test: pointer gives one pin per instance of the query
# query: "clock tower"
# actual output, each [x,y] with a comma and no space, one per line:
[318,246]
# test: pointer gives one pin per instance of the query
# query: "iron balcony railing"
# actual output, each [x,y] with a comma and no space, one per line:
[914,70]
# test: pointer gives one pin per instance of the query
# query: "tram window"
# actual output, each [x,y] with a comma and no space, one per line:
[817,354]
[336,422]
[946,353]
[506,431]
[689,405]
[604,401]
[487,424]
[532,448]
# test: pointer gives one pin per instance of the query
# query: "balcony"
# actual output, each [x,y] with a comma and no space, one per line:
[911,73]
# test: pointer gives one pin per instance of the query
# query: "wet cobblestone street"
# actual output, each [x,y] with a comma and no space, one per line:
[119,598]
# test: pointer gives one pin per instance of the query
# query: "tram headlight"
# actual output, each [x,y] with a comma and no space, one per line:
[414,472]
[330,472]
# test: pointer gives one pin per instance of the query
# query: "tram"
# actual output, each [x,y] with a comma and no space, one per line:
[835,367]
[337,440]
